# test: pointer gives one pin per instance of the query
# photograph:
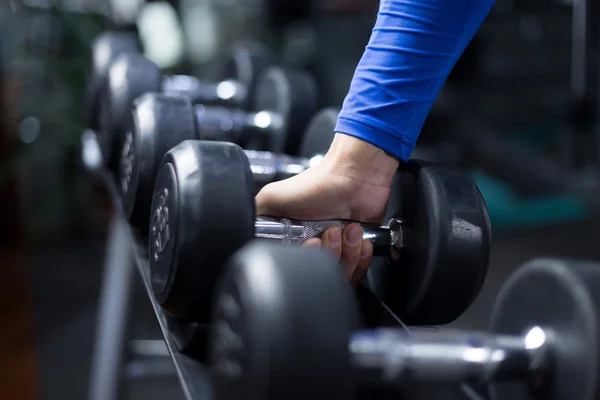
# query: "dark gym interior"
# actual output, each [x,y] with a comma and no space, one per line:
[518,114]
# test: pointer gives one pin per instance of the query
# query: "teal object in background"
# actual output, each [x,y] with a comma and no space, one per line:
[510,211]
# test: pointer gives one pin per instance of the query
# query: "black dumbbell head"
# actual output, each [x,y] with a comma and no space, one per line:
[105,49]
[159,123]
[319,133]
[563,298]
[440,276]
[130,76]
[291,94]
[282,319]
[247,62]
[202,212]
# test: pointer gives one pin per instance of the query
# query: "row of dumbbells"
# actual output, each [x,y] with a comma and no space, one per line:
[256,103]
[284,325]
[174,145]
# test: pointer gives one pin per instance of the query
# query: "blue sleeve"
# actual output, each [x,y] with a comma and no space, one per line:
[413,48]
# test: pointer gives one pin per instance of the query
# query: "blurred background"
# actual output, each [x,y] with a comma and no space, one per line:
[518,112]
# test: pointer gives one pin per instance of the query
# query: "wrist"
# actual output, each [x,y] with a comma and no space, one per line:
[361,160]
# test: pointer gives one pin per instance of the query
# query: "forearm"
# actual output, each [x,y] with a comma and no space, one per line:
[413,47]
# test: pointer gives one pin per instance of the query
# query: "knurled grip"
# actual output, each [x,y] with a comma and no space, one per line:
[308,229]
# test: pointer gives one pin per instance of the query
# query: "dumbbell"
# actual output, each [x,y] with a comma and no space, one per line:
[287,100]
[203,211]
[543,341]
[106,47]
[131,75]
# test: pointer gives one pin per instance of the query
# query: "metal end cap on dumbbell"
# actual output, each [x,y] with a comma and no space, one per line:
[159,123]
[186,251]
[291,94]
[105,48]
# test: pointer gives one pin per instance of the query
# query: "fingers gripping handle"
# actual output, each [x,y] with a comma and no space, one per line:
[386,240]
[309,229]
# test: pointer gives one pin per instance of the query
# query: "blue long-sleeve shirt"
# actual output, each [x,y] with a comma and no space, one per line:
[413,47]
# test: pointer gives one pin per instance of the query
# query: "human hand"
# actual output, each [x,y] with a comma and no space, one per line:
[352,182]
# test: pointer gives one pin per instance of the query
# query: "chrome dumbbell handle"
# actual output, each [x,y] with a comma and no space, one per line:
[226,92]
[269,167]
[387,240]
[234,125]
[394,356]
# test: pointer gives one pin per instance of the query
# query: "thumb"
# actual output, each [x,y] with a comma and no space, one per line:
[268,201]
[285,198]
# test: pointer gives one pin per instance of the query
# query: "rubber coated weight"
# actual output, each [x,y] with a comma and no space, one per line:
[564,297]
[105,49]
[247,62]
[282,318]
[159,124]
[202,200]
[130,76]
[319,133]
[437,279]
[292,96]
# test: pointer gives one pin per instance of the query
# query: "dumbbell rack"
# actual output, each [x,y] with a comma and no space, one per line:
[124,254]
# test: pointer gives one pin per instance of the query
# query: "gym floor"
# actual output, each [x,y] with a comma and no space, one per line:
[66,302]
